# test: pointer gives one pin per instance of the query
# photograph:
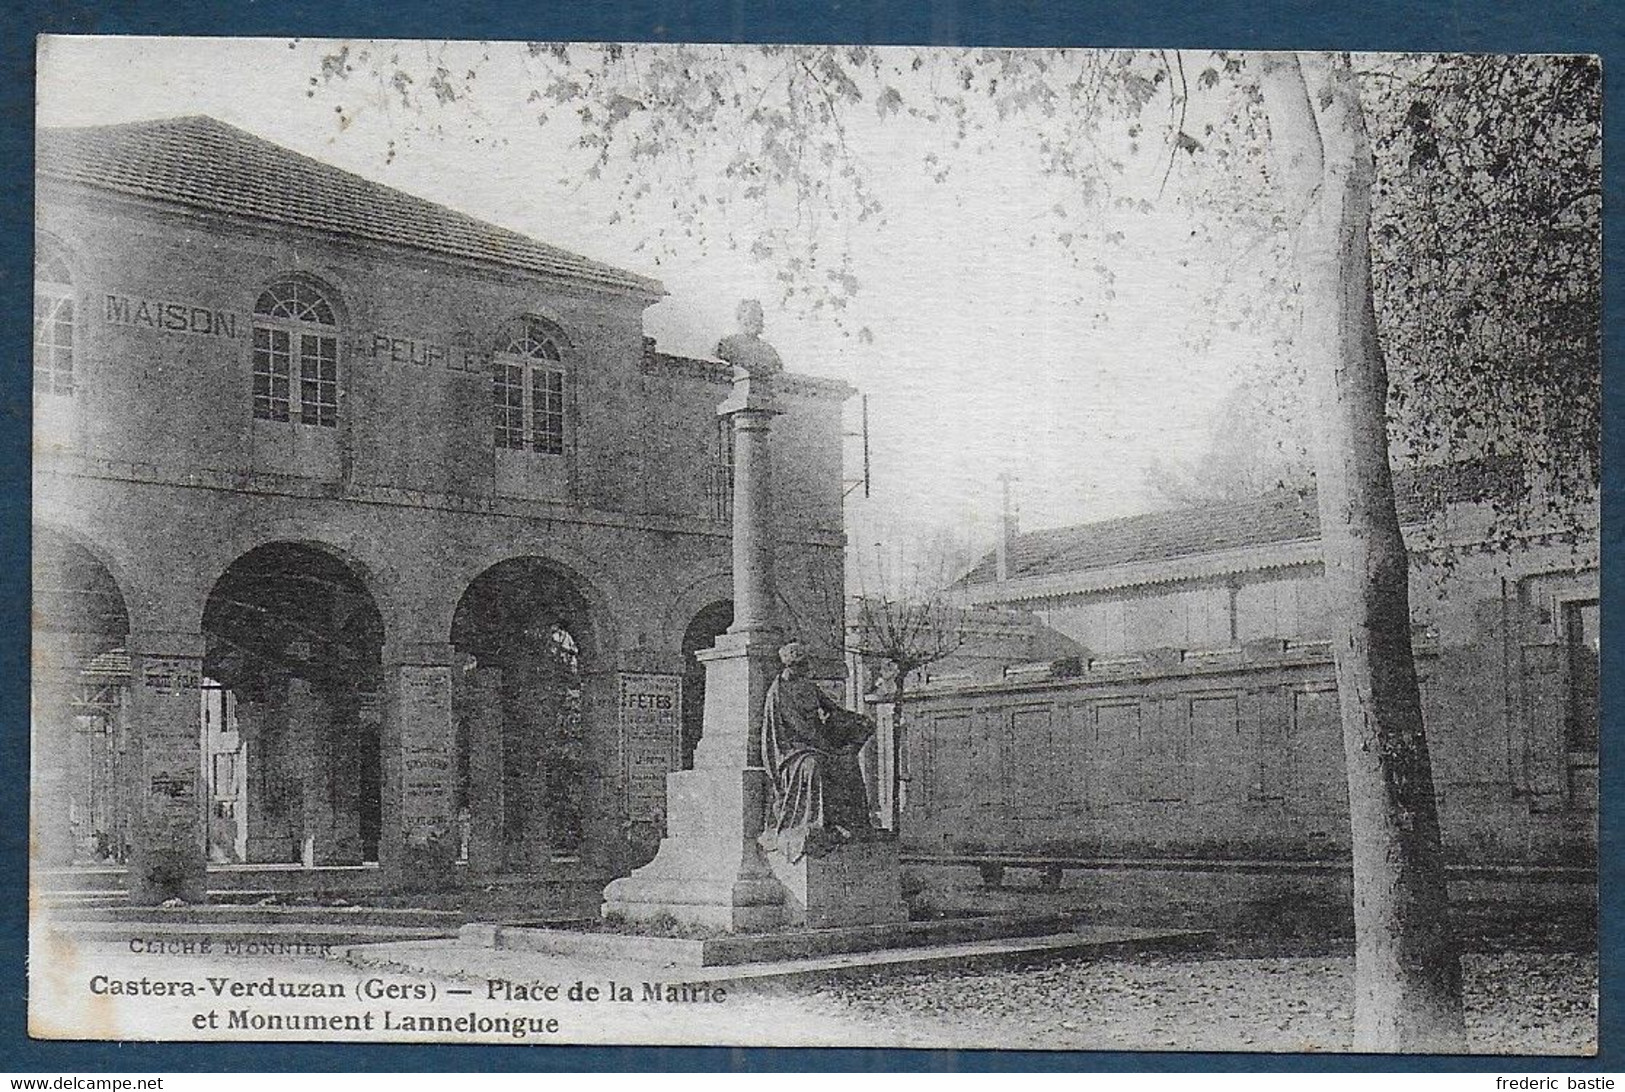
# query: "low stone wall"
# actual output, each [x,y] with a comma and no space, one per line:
[1217,755]
[1291,897]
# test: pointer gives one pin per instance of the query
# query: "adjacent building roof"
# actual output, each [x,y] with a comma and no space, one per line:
[1285,515]
[206,164]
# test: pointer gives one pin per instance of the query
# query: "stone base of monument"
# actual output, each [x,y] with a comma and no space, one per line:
[859,883]
[742,949]
[706,874]
[773,961]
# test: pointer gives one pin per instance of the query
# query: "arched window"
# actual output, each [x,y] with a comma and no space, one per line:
[527,388]
[295,333]
[53,321]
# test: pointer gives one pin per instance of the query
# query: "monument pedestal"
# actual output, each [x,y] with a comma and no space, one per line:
[705,873]
[709,870]
[855,884]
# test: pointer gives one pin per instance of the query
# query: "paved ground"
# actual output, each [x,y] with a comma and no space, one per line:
[1518,1003]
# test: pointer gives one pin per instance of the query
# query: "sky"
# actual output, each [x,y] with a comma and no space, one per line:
[990,356]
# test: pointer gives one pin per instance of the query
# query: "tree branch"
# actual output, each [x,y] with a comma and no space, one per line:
[1179,126]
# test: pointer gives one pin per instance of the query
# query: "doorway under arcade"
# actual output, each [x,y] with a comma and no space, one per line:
[523,640]
[82,717]
[290,712]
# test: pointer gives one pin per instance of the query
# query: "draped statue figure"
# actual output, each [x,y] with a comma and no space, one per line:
[810,745]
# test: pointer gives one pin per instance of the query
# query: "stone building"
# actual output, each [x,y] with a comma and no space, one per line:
[370,538]
[1196,719]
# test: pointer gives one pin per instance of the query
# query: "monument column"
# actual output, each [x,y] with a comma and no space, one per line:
[709,870]
[741,665]
[418,843]
[750,411]
[167,856]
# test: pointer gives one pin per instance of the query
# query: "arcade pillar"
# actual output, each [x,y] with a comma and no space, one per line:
[53,675]
[487,836]
[419,841]
[167,853]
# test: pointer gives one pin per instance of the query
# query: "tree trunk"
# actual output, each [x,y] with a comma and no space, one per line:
[1407,967]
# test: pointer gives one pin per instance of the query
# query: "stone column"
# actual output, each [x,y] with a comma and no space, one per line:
[167,854]
[260,725]
[51,797]
[418,844]
[603,847]
[709,870]
[344,785]
[309,729]
[487,838]
[530,716]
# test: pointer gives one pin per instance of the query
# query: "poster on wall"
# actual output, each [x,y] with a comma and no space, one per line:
[427,759]
[651,740]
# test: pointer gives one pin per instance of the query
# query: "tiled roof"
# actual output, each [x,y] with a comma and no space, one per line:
[206,164]
[1284,515]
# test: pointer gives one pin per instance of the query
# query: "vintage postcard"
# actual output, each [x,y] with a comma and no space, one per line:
[768,545]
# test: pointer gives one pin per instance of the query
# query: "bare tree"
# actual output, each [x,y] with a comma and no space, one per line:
[906,619]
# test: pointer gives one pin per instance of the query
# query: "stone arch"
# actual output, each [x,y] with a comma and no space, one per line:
[717,584]
[81,804]
[163,583]
[355,552]
[500,592]
[595,585]
[308,575]
[92,548]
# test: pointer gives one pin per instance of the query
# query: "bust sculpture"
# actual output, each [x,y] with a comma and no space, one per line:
[746,350]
